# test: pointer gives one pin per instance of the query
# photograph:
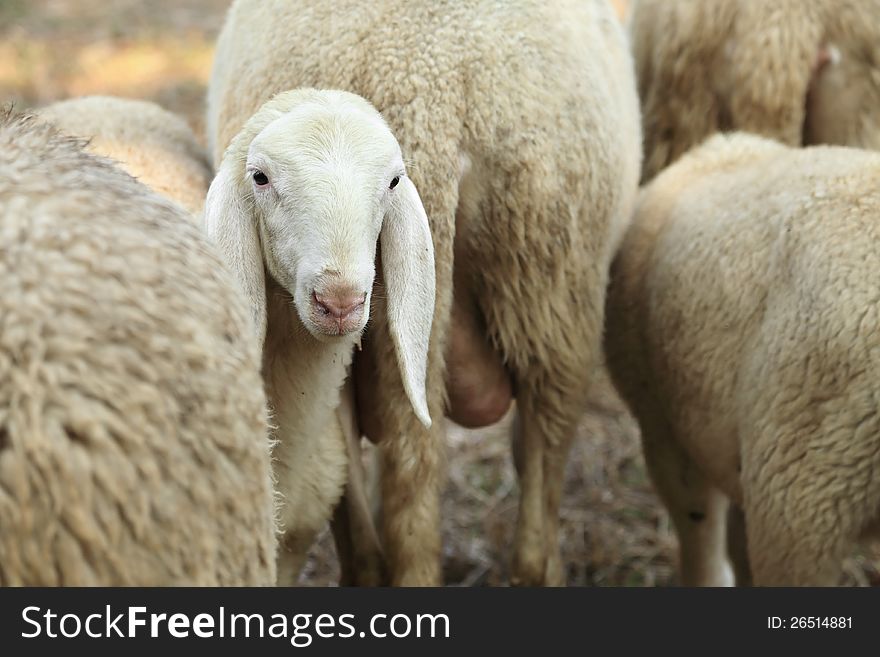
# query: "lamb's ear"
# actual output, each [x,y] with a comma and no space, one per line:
[231,224]
[408,269]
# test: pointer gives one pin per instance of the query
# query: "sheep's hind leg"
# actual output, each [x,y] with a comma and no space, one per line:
[547,416]
[357,540]
[357,546]
[551,346]
[698,511]
[737,547]
[411,460]
[529,563]
[412,456]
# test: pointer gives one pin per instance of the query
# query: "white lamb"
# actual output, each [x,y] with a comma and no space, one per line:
[305,193]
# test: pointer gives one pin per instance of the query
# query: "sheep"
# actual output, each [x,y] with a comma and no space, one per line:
[742,332]
[303,195]
[147,141]
[520,122]
[800,72]
[358,546]
[133,435]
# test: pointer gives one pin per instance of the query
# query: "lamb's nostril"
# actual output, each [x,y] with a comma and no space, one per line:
[320,305]
[338,303]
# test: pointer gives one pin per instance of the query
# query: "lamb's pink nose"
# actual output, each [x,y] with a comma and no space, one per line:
[338,309]
[339,303]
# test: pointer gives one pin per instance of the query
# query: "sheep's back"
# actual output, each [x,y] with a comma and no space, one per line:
[132,432]
[747,279]
[149,142]
[750,66]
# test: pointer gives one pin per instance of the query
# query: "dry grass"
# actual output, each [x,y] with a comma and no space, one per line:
[613,530]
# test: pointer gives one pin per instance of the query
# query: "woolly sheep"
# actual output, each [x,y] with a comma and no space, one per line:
[147,141]
[742,331]
[800,72]
[305,192]
[133,445]
[520,124]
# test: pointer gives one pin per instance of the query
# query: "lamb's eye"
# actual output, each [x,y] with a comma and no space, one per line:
[394,181]
[260,179]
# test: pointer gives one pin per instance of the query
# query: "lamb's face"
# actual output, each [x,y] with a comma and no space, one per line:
[322,180]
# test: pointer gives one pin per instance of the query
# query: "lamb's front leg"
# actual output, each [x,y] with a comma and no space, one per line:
[291,555]
[310,473]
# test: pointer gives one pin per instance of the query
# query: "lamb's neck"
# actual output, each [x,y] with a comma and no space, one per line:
[303,375]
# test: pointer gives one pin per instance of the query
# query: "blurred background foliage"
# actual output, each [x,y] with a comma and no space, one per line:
[155,49]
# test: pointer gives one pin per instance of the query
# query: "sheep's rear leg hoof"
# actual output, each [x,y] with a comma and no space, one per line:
[554,574]
[535,575]
[427,575]
[527,575]
[538,570]
[529,562]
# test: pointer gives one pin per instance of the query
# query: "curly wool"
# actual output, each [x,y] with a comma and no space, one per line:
[539,100]
[731,65]
[742,331]
[149,142]
[133,445]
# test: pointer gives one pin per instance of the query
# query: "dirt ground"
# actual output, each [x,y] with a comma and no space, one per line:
[614,532]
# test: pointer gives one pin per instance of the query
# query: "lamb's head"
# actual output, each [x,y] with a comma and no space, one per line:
[323,178]
[307,190]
